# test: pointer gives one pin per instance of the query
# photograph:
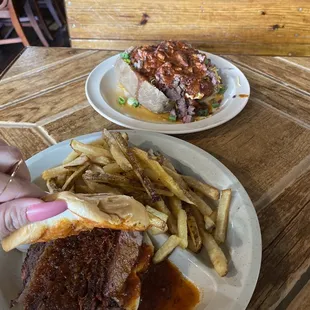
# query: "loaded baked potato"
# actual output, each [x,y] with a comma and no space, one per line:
[171,77]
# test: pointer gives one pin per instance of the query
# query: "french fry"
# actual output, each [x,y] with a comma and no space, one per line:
[171,222]
[108,178]
[125,136]
[161,215]
[147,240]
[61,179]
[100,160]
[151,174]
[52,186]
[193,229]
[209,224]
[102,188]
[101,142]
[92,150]
[54,172]
[157,222]
[177,177]
[213,216]
[165,250]
[222,216]
[120,158]
[112,168]
[73,155]
[79,161]
[204,188]
[146,182]
[70,181]
[201,204]
[165,178]
[96,168]
[191,246]
[156,231]
[175,205]
[182,228]
[168,164]
[215,253]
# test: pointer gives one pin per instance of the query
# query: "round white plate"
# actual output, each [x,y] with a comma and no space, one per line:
[102,93]
[232,292]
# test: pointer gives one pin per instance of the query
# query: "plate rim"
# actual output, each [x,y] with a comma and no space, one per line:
[257,238]
[157,127]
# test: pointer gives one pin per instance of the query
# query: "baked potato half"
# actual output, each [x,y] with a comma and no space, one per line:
[138,87]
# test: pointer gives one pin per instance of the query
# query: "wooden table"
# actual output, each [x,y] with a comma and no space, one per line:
[267,146]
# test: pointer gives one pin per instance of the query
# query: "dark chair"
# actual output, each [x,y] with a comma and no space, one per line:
[54,9]
[10,12]
[7,11]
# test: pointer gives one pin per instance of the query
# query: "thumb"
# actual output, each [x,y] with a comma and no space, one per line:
[19,212]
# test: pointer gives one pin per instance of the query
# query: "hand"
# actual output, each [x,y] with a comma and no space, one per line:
[19,202]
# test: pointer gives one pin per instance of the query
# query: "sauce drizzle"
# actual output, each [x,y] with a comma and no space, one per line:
[165,288]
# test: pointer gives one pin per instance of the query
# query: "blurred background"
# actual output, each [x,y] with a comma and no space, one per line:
[252,27]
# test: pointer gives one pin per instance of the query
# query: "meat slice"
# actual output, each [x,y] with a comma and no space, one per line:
[79,272]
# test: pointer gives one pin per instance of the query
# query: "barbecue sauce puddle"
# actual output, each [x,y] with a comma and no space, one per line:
[165,288]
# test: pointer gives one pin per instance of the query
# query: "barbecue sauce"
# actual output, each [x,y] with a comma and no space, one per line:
[165,288]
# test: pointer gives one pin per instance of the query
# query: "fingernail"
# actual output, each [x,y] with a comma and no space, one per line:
[45,210]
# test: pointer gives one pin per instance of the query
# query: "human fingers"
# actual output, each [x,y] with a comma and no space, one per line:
[20,212]
[9,157]
[17,188]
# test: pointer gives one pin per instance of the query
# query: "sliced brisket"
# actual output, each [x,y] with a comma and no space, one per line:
[79,272]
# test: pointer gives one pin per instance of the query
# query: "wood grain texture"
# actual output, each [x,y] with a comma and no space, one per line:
[279,69]
[267,146]
[33,59]
[278,94]
[28,140]
[302,61]
[251,146]
[17,89]
[302,300]
[285,226]
[79,123]
[48,105]
[289,49]
[218,22]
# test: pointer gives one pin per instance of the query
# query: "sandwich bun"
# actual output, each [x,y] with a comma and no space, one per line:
[84,212]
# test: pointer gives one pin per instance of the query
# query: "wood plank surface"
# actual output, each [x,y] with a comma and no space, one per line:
[28,140]
[277,93]
[267,146]
[218,22]
[288,49]
[258,168]
[302,300]
[17,89]
[48,105]
[78,123]
[285,226]
[279,69]
[39,58]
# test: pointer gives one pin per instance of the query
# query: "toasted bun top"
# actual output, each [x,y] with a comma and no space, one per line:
[84,212]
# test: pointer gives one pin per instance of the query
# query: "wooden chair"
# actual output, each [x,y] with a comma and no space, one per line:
[7,11]
[32,19]
[54,9]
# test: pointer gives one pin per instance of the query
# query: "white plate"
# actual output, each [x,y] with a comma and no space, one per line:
[102,93]
[244,239]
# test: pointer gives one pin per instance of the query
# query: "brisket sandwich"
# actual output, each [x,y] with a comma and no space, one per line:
[89,257]
[94,270]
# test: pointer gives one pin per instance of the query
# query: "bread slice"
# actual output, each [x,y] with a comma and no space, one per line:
[84,212]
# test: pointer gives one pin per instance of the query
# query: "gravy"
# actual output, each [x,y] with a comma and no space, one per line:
[165,288]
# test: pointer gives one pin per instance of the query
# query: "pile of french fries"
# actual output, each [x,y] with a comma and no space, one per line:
[176,204]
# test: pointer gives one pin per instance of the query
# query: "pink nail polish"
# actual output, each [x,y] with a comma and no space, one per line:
[45,210]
